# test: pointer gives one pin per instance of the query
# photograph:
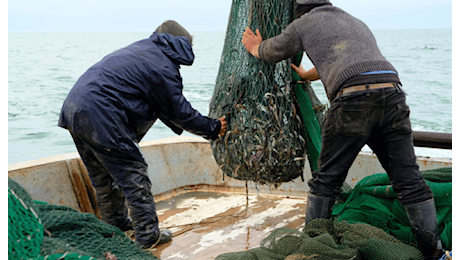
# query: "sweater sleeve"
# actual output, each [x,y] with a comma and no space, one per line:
[281,47]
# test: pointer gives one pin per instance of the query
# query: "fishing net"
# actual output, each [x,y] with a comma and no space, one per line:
[38,230]
[373,201]
[368,223]
[25,230]
[271,118]
[328,239]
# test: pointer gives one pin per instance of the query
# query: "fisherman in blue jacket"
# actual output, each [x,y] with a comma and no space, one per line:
[112,106]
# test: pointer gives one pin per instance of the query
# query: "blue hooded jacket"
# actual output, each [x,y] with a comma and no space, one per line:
[118,99]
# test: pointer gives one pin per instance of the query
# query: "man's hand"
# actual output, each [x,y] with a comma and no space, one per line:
[252,41]
[223,126]
[309,75]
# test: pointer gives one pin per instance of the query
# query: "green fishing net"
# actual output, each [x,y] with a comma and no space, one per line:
[368,223]
[38,230]
[373,201]
[25,229]
[269,114]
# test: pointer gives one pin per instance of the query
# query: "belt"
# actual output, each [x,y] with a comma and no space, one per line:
[365,87]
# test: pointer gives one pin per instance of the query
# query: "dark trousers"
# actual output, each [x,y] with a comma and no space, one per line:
[120,176]
[380,119]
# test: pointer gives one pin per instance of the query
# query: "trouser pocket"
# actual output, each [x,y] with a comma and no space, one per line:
[401,121]
[352,121]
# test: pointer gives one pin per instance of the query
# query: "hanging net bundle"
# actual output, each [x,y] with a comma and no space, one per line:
[267,126]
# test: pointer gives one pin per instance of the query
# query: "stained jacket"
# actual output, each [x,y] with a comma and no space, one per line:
[119,98]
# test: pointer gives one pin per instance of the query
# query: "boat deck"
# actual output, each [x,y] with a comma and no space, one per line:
[205,210]
[206,224]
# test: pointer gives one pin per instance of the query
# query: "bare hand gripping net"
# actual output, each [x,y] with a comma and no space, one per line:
[265,140]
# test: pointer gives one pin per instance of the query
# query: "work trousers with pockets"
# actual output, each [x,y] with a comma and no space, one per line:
[380,119]
[120,177]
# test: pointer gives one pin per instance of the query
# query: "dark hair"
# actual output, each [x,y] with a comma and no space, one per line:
[301,9]
[175,29]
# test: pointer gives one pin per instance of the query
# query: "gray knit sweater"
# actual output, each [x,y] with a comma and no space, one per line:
[339,45]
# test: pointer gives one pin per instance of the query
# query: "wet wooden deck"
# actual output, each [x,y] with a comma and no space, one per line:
[207,224]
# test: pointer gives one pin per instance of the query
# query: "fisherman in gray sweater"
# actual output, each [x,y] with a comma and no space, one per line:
[367,107]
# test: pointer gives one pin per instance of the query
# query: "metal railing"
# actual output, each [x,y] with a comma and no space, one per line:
[432,139]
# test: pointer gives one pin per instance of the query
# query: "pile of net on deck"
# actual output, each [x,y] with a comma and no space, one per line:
[273,119]
[368,222]
[37,230]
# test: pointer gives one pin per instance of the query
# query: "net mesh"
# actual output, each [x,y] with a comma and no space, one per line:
[38,230]
[266,141]
[368,223]
[24,239]
[373,201]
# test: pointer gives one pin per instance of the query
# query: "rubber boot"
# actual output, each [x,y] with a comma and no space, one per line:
[161,237]
[166,236]
[318,207]
[422,217]
[126,225]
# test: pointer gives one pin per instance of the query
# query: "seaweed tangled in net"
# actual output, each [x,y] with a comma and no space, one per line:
[264,142]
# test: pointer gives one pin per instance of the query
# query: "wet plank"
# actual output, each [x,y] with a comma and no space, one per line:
[207,224]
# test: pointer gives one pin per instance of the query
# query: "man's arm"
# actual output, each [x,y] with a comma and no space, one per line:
[274,49]
[310,75]
[177,113]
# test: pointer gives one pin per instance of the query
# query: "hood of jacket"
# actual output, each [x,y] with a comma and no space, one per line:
[177,48]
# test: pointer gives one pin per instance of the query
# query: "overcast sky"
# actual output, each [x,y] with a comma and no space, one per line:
[201,15]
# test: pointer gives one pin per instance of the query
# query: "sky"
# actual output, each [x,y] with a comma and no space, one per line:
[200,15]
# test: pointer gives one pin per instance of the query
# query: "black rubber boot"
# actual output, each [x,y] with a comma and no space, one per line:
[163,236]
[166,236]
[422,217]
[318,207]
[126,225]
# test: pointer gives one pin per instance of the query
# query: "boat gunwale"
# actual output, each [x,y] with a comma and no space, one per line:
[59,175]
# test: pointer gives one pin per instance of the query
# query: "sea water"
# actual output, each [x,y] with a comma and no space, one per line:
[42,68]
